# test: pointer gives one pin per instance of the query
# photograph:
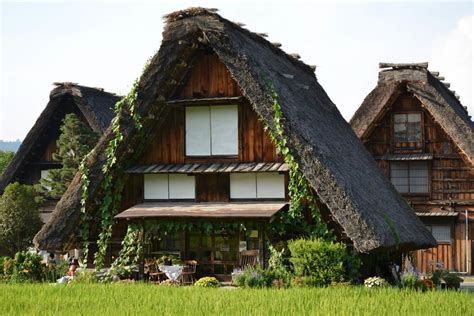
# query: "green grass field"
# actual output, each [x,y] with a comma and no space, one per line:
[143,299]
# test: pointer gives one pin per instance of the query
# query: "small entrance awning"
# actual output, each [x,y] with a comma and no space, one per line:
[242,210]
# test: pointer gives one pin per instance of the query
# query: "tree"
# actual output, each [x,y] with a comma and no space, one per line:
[75,142]
[19,218]
[5,158]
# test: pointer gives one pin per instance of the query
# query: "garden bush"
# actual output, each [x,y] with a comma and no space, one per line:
[411,281]
[321,263]
[19,218]
[25,267]
[452,280]
[207,282]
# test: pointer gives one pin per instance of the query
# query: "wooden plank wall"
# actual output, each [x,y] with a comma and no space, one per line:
[209,78]
[428,258]
[451,177]
[212,188]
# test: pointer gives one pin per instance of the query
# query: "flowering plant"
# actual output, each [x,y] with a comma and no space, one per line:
[375,282]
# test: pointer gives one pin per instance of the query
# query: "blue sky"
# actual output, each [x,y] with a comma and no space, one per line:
[106,45]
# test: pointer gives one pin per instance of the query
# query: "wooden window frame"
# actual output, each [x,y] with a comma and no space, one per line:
[442,242]
[395,149]
[413,194]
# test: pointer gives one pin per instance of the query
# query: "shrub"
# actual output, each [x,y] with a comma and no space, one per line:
[19,218]
[375,282]
[436,277]
[411,281]
[26,267]
[321,262]
[252,278]
[453,281]
[207,282]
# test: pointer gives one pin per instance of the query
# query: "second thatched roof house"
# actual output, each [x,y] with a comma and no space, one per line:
[422,137]
[34,158]
[191,145]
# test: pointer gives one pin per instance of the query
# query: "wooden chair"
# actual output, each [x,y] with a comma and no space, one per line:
[248,258]
[188,276]
[153,272]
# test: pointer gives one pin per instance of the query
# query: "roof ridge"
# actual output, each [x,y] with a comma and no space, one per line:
[260,36]
[68,85]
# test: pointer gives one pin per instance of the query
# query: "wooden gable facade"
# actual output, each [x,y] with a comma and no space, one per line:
[430,170]
[208,84]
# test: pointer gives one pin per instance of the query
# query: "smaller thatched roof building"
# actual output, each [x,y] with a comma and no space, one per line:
[93,105]
[345,177]
[434,95]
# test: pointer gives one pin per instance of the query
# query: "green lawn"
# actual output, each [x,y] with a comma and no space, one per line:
[130,299]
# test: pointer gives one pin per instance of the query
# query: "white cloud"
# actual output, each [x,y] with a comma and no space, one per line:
[452,57]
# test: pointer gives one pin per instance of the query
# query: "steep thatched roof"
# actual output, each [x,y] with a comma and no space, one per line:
[434,95]
[345,177]
[93,104]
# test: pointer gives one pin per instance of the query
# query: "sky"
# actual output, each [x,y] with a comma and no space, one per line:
[106,44]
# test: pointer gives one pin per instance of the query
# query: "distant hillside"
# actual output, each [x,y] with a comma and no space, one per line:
[10,145]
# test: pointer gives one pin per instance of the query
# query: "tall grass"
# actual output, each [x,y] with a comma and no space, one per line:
[143,299]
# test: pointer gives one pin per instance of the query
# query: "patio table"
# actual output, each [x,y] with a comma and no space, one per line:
[172,272]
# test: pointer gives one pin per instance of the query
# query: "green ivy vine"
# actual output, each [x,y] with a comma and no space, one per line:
[112,191]
[299,190]
[85,217]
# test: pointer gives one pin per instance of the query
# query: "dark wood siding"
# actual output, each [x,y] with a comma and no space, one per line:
[450,176]
[209,78]
[450,179]
[212,188]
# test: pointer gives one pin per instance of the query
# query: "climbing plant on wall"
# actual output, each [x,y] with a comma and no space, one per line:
[112,190]
[299,190]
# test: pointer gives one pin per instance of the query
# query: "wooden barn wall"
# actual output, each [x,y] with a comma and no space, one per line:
[213,187]
[209,78]
[452,255]
[450,176]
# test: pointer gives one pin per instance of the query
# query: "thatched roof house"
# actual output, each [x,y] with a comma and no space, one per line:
[345,177]
[434,95]
[93,105]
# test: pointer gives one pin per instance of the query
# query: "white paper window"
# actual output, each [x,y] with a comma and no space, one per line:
[442,233]
[169,186]
[270,185]
[243,186]
[263,185]
[156,186]
[45,175]
[212,130]
[198,131]
[181,186]
[410,177]
[224,130]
